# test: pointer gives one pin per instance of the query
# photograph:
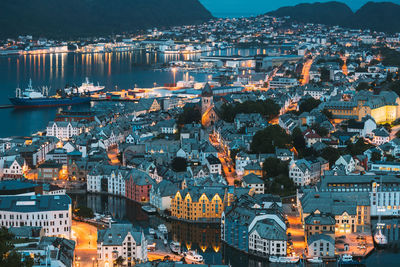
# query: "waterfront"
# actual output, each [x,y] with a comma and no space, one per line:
[118,70]
[206,238]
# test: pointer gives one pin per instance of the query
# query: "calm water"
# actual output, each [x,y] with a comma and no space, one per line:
[122,70]
[206,239]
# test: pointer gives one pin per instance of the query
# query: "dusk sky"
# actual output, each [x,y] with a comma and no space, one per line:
[253,7]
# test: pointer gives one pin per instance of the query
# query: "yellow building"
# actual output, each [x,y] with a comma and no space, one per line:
[383,108]
[199,203]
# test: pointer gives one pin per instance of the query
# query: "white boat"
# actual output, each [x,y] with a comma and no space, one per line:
[347,259]
[163,229]
[149,209]
[315,260]
[152,231]
[107,219]
[175,247]
[192,256]
[88,87]
[380,239]
[293,259]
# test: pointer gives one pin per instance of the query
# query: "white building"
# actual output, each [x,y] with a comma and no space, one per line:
[63,129]
[51,212]
[267,238]
[107,179]
[253,181]
[320,245]
[214,165]
[299,172]
[121,240]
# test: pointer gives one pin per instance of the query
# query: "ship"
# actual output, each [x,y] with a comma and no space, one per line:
[88,87]
[32,98]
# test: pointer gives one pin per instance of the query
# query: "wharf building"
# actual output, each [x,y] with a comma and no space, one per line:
[51,212]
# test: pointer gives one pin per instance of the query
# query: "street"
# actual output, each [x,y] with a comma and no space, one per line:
[295,229]
[113,156]
[85,236]
[306,72]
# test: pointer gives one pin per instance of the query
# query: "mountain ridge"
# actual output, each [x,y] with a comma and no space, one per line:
[379,16]
[84,18]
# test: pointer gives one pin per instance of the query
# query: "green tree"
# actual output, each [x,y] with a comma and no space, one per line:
[308,104]
[119,261]
[321,131]
[330,154]
[358,148]
[375,156]
[298,140]
[266,140]
[327,113]
[325,75]
[84,212]
[179,164]
[189,114]
[8,257]
[273,167]
[362,86]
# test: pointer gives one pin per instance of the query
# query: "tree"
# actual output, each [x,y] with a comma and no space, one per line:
[84,212]
[119,261]
[190,114]
[327,113]
[8,256]
[237,183]
[308,104]
[321,131]
[325,75]
[358,148]
[330,154]
[375,156]
[266,140]
[179,164]
[282,185]
[268,108]
[273,167]
[298,140]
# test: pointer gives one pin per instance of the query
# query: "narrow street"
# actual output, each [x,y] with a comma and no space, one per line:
[113,156]
[85,236]
[306,72]
[226,161]
[295,230]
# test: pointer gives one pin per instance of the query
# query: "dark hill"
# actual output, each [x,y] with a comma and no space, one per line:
[381,16]
[70,18]
[324,13]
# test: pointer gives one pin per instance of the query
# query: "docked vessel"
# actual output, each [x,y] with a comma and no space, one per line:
[380,239]
[163,229]
[347,259]
[89,87]
[30,98]
[192,256]
[275,259]
[315,260]
[149,209]
[175,247]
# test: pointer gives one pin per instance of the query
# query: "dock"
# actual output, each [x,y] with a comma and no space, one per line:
[6,106]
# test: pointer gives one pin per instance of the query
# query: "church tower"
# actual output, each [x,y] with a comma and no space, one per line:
[206,99]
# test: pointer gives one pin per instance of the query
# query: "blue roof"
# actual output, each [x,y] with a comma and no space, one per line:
[16,185]
[36,203]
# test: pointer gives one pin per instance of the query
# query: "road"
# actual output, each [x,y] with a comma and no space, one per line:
[85,236]
[394,131]
[226,161]
[306,72]
[295,229]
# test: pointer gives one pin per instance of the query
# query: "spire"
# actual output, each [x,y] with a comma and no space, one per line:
[206,91]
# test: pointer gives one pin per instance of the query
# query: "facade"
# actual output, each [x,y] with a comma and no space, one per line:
[63,129]
[138,186]
[121,240]
[197,203]
[250,227]
[51,212]
[319,223]
[161,195]
[321,245]
[255,182]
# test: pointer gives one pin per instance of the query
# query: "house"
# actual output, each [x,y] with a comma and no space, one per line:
[321,245]
[121,240]
[364,127]
[348,162]
[13,168]
[267,238]
[63,129]
[319,223]
[306,171]
[311,137]
[167,126]
[254,168]
[161,195]
[380,136]
[214,165]
[253,181]
[138,186]
[48,171]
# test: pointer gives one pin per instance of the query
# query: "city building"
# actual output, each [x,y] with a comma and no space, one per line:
[51,212]
[121,240]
